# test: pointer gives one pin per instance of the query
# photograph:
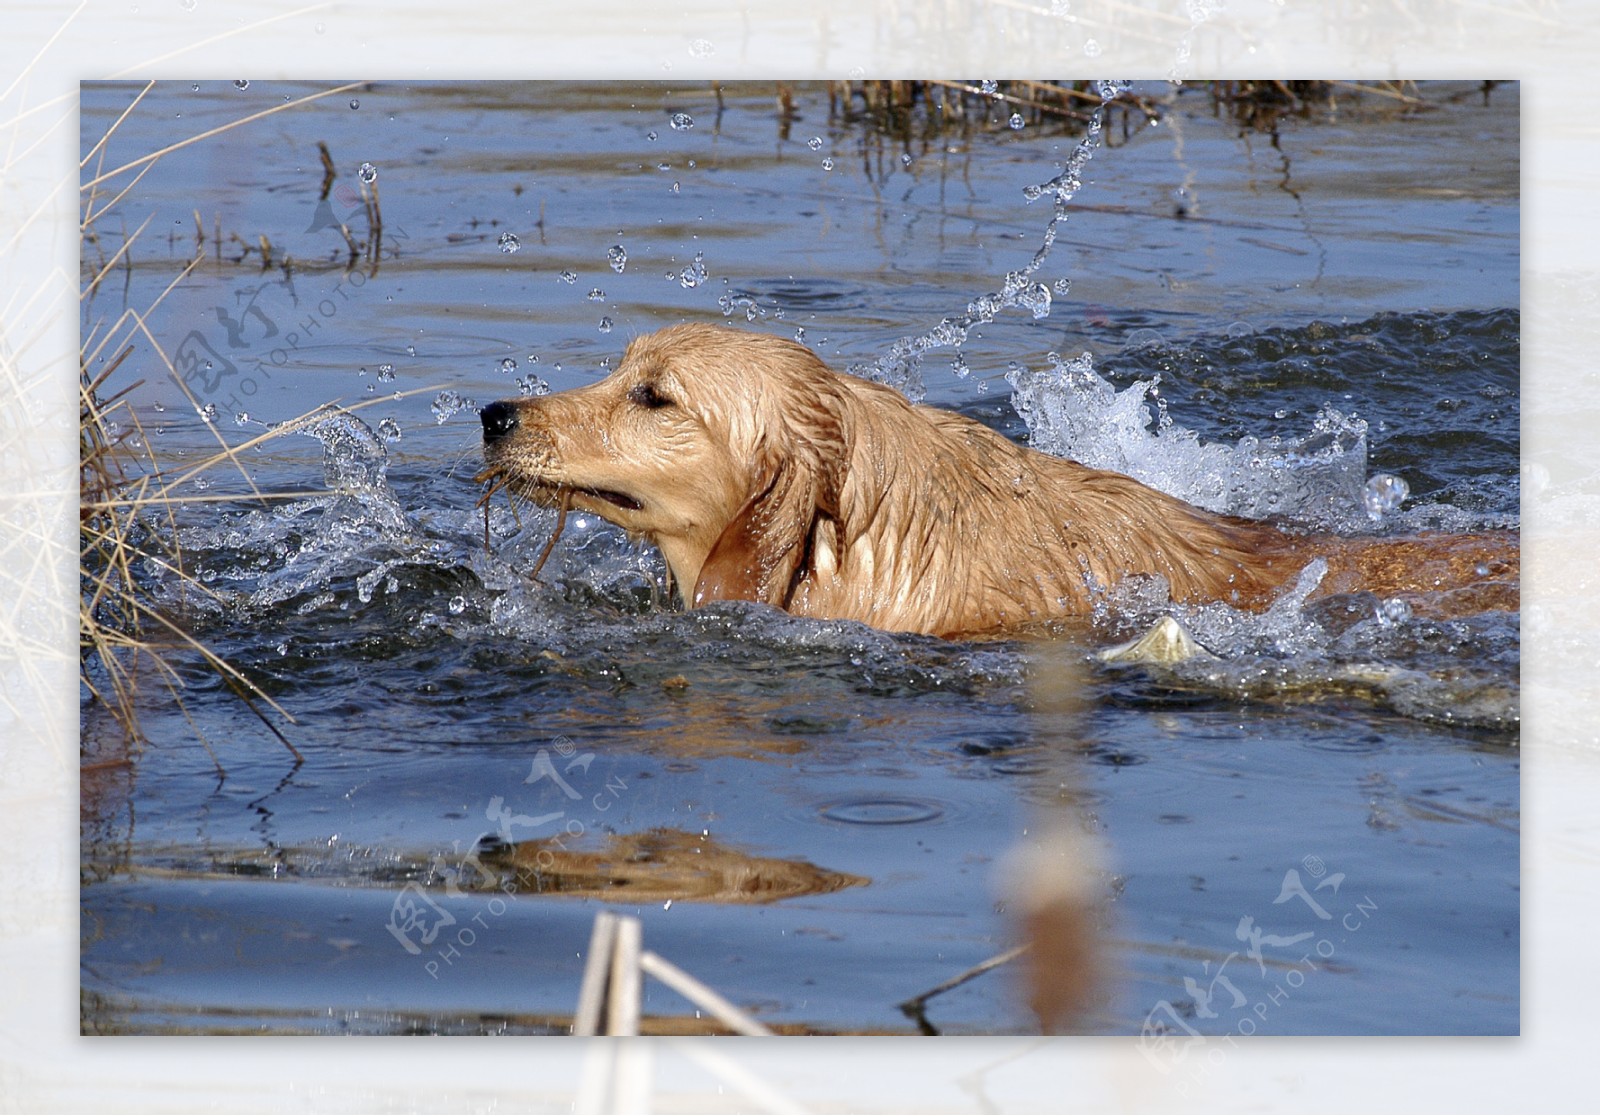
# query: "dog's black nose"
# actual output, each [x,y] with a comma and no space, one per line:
[499,419]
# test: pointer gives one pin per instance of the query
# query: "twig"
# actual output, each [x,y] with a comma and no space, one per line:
[561,525]
[700,995]
[328,173]
[913,1007]
[622,1000]
[596,970]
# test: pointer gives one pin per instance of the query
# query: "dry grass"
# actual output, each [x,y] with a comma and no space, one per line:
[127,534]
[127,542]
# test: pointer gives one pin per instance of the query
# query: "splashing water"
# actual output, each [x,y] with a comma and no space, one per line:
[1071,411]
[900,367]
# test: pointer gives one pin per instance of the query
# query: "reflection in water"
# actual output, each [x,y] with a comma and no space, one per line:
[1057,882]
[659,865]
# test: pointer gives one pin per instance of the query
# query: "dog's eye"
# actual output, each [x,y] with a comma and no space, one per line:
[646,396]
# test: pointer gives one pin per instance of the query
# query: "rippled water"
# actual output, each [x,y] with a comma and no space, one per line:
[813,817]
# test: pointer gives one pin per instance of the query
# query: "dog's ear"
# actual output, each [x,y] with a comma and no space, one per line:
[798,478]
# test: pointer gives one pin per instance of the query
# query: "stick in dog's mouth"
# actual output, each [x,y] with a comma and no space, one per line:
[497,479]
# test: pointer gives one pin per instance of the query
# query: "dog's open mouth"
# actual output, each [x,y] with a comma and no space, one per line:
[552,494]
[620,499]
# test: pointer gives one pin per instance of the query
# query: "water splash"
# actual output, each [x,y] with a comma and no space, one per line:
[1318,478]
[900,367]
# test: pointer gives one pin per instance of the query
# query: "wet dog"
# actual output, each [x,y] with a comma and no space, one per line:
[763,475]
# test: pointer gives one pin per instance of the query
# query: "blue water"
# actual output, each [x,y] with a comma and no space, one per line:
[1366,263]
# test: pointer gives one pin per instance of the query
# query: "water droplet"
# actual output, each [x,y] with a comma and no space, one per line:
[815,143]
[367,173]
[958,365]
[411,350]
[701,48]
[242,418]
[532,385]
[597,295]
[1091,47]
[990,87]
[905,160]
[449,403]
[827,164]
[1062,287]
[508,365]
[187,5]
[194,87]
[458,605]
[650,135]
[605,325]
[695,273]
[618,257]
[673,189]
[1393,611]
[1384,494]
[682,122]
[386,373]
[509,242]
[568,277]
[1016,122]
[390,430]
[355,104]
[320,28]
[242,83]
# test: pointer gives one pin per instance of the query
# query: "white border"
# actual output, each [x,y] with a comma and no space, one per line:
[47,48]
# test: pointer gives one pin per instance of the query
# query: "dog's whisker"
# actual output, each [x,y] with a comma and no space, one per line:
[461,459]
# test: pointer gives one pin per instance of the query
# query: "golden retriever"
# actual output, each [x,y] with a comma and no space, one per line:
[763,475]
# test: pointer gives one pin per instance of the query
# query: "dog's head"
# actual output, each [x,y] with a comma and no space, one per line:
[724,448]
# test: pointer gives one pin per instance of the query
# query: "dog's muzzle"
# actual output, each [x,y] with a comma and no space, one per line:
[499,420]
